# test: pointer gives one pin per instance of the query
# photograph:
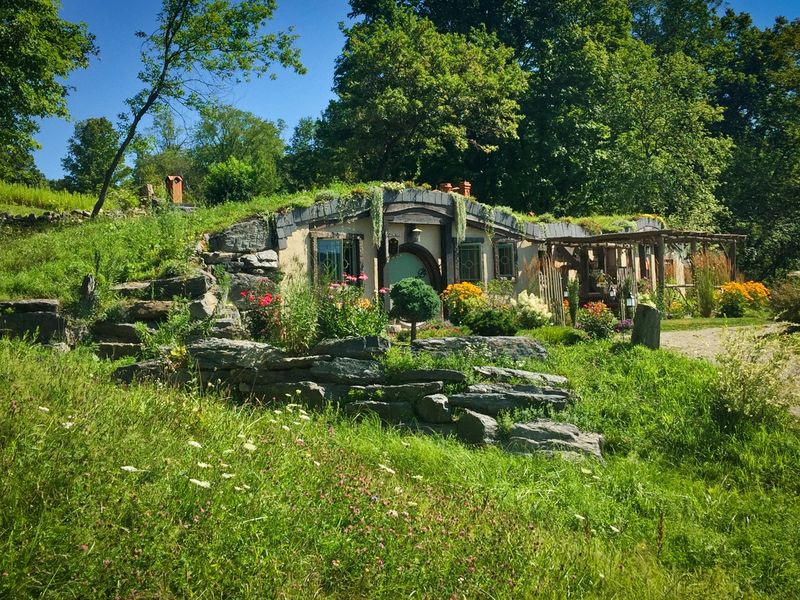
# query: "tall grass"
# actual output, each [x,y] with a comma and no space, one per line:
[287,505]
[23,195]
[709,269]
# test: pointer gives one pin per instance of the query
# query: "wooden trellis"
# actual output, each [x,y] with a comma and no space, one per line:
[550,288]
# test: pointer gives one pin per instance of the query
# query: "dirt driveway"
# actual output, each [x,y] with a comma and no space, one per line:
[706,343]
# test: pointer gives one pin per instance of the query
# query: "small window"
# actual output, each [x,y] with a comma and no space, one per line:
[337,258]
[506,260]
[469,263]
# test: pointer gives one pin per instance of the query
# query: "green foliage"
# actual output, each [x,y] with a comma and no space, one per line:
[727,504]
[344,312]
[376,215]
[299,315]
[752,385]
[556,334]
[596,320]
[172,333]
[226,132]
[199,44]
[493,321]
[434,330]
[786,300]
[38,50]
[459,217]
[411,99]
[574,298]
[230,181]
[414,300]
[90,151]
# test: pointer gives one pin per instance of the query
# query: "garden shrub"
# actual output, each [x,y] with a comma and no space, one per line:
[556,334]
[735,298]
[531,310]
[493,321]
[596,320]
[786,300]
[751,387]
[344,311]
[414,300]
[462,298]
[173,333]
[229,181]
[264,311]
[299,315]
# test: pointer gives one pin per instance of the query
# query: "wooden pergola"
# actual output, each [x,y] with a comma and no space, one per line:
[658,239]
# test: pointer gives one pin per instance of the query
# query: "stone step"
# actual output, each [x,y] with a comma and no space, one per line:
[516,348]
[407,392]
[504,374]
[550,436]
[42,327]
[115,350]
[34,305]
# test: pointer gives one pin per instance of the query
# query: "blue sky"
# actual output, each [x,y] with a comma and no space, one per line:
[101,89]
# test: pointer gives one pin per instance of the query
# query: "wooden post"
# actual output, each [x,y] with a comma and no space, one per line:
[733,260]
[660,278]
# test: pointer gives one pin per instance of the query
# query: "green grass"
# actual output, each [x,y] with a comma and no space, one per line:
[15,194]
[16,209]
[52,263]
[705,323]
[320,516]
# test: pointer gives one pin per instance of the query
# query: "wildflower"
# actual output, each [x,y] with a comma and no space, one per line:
[277,412]
[316,463]
[227,475]
[383,291]
[305,418]
[387,469]
[130,469]
[224,465]
[199,483]
[67,424]
[244,294]
[335,562]
[614,529]
[285,427]
[362,277]
[250,447]
[393,513]
[194,444]
[580,517]
[203,465]
[417,477]
[44,409]
[334,286]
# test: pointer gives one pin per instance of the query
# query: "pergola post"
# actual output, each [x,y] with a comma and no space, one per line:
[660,275]
[733,260]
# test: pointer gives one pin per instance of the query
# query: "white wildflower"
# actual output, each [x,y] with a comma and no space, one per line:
[272,421]
[130,469]
[241,436]
[194,444]
[203,465]
[44,409]
[614,529]
[393,513]
[316,463]
[580,517]
[305,418]
[285,427]
[249,446]
[227,475]
[202,484]
[296,423]
[67,424]
[387,469]
[417,477]
[224,465]
[277,412]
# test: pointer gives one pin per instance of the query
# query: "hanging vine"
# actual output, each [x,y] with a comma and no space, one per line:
[376,213]
[487,216]
[459,217]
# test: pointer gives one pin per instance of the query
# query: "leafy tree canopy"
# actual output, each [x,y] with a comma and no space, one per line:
[37,51]
[409,95]
[89,152]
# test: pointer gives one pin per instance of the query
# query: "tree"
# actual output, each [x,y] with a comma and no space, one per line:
[225,132]
[410,96]
[197,43]
[32,74]
[90,150]
[303,163]
[661,155]
[414,300]
[230,181]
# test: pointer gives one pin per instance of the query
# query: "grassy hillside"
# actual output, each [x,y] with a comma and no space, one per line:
[287,505]
[51,263]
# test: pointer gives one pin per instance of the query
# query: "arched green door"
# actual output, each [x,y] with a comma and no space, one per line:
[405,265]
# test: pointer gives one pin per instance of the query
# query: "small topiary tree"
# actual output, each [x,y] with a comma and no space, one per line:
[414,300]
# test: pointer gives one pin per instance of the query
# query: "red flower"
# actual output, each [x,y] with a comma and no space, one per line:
[244,294]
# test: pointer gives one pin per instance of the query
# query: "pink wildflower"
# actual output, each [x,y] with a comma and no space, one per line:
[363,277]
[383,291]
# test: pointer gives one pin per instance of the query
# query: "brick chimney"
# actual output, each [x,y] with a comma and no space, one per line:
[446,187]
[465,187]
